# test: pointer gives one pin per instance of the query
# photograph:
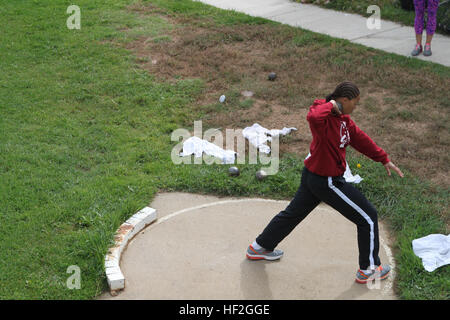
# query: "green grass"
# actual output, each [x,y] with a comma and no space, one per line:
[85,143]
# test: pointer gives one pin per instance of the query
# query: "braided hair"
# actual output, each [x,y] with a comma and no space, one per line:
[345,89]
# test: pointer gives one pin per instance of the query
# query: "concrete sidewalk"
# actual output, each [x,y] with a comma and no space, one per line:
[391,37]
[196,250]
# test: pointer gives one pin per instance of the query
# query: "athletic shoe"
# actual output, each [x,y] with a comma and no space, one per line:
[417,50]
[380,272]
[261,254]
[427,50]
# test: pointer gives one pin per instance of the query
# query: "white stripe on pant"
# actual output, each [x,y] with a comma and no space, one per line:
[361,212]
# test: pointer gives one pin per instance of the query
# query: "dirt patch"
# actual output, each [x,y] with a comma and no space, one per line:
[403,115]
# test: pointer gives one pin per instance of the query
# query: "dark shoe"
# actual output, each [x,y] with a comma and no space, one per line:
[381,272]
[427,50]
[261,254]
[417,50]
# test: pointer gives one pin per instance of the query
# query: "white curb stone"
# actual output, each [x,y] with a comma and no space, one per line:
[125,233]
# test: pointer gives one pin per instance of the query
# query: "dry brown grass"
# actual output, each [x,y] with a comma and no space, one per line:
[404,110]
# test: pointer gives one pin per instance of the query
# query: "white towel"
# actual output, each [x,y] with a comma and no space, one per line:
[258,136]
[434,250]
[349,177]
[196,146]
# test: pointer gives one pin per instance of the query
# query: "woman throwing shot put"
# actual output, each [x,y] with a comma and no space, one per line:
[322,180]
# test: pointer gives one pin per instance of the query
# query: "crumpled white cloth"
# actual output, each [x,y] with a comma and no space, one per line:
[258,136]
[349,177]
[434,250]
[195,145]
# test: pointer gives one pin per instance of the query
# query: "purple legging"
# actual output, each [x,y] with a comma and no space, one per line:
[419,6]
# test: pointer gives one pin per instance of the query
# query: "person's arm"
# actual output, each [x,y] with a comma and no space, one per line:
[317,114]
[364,144]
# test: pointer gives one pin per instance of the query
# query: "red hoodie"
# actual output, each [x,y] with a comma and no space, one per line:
[331,135]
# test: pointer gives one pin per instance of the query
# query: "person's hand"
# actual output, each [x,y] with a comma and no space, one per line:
[392,166]
[335,110]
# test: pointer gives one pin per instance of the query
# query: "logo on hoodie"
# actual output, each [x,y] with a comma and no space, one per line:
[345,136]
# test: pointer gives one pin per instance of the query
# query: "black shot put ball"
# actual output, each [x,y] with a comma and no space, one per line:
[233,171]
[261,175]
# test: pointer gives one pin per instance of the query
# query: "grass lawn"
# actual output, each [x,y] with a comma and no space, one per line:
[85,131]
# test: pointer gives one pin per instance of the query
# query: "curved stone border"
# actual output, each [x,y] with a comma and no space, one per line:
[125,233]
[147,215]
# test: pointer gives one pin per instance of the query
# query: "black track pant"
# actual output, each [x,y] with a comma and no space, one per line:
[340,195]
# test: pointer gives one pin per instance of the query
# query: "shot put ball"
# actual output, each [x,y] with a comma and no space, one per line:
[261,174]
[233,171]
[272,76]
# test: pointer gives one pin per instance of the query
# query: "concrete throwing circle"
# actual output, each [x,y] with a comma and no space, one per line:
[196,250]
